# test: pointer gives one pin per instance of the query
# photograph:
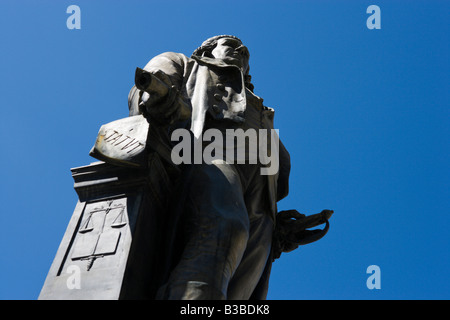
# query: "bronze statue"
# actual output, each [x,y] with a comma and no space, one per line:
[183,204]
[227,219]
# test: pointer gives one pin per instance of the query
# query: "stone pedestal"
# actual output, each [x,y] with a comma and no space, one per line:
[112,245]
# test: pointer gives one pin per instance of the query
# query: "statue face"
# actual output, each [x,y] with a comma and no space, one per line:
[232,51]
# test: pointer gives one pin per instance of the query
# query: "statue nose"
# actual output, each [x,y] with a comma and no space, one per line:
[243,51]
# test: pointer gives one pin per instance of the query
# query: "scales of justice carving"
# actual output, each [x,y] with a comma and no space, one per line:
[100,232]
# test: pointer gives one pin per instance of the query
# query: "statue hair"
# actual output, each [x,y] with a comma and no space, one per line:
[208,46]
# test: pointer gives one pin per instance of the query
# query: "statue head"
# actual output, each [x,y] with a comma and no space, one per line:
[209,44]
[230,49]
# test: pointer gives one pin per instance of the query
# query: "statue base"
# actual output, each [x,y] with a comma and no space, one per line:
[110,249]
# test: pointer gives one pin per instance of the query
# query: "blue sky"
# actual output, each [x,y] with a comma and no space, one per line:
[364,114]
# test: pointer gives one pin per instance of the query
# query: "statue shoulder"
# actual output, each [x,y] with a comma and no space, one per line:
[168,58]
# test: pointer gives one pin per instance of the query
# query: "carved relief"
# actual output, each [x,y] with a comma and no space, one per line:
[100,230]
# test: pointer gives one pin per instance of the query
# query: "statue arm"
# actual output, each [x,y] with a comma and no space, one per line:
[169,67]
[161,101]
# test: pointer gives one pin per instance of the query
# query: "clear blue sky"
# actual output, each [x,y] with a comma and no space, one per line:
[364,114]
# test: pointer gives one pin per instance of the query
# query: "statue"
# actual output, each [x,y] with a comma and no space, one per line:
[229,210]
[221,229]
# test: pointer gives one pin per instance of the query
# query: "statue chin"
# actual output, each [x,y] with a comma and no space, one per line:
[233,61]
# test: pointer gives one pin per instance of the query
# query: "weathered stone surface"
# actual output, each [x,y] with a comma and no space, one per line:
[112,239]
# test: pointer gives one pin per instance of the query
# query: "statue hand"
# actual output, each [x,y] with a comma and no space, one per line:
[159,99]
[161,110]
[291,229]
[327,213]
